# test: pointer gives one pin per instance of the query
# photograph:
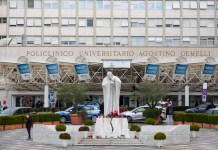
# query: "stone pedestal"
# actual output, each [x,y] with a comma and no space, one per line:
[103,128]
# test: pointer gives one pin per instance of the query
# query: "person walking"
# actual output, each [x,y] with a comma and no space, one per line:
[169,112]
[29,124]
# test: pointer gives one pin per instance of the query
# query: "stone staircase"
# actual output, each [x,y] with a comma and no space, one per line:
[110,142]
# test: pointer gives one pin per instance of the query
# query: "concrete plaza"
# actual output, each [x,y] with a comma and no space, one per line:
[16,140]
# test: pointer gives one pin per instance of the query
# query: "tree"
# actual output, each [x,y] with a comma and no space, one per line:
[73,93]
[150,92]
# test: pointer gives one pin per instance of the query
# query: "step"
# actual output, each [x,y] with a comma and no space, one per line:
[110,142]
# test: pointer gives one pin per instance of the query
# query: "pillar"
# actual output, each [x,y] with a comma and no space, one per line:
[186,95]
[179,98]
[46,100]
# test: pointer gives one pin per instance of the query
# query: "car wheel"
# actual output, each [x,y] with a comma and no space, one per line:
[94,118]
[129,119]
[63,119]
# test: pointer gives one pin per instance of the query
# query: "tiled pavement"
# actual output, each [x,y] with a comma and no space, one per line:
[16,140]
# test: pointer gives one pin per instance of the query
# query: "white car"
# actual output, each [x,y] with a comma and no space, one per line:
[137,114]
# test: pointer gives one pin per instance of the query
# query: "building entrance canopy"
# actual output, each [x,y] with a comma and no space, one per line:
[10,77]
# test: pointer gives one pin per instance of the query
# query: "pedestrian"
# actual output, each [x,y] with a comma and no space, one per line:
[29,124]
[169,112]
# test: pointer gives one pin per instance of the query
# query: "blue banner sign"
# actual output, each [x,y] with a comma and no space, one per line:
[209,69]
[81,69]
[24,68]
[152,69]
[181,69]
[25,71]
[52,68]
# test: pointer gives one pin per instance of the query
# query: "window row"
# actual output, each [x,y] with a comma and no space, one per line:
[71,22]
[116,41]
[2,36]
[106,4]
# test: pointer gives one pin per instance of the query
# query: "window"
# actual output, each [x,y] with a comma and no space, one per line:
[16,22]
[138,4]
[137,22]
[86,22]
[86,41]
[51,4]
[68,22]
[68,41]
[2,36]
[172,23]
[172,41]
[120,22]
[51,22]
[3,2]
[190,41]
[51,40]
[3,20]
[189,23]
[68,4]
[152,23]
[34,4]
[120,41]
[207,23]
[155,41]
[152,5]
[208,41]
[103,41]
[121,4]
[138,41]
[190,5]
[172,5]
[86,4]
[103,22]
[32,22]
[103,4]
[207,5]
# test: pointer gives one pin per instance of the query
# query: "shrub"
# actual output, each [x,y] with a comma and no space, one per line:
[84,128]
[2,120]
[134,127]
[56,117]
[194,128]
[189,117]
[159,136]
[150,121]
[89,123]
[60,127]
[200,118]
[65,136]
[152,113]
[9,120]
[179,116]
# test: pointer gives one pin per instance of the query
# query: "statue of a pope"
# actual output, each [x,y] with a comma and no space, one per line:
[111,91]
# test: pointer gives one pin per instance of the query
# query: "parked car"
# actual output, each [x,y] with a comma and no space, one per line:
[202,108]
[93,113]
[213,111]
[91,103]
[137,114]
[16,111]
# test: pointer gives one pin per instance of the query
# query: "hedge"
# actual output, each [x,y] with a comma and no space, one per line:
[199,118]
[179,116]
[20,119]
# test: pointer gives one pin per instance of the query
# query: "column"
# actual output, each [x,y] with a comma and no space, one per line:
[179,98]
[46,101]
[186,95]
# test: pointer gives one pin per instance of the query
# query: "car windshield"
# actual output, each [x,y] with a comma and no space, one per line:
[8,111]
[68,109]
[202,106]
[209,112]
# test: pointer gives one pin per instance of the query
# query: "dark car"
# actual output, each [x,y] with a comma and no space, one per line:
[202,108]
[16,111]
[213,111]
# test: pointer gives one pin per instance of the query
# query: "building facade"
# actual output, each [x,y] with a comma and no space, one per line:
[166,32]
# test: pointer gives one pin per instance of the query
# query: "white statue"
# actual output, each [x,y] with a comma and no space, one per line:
[111,90]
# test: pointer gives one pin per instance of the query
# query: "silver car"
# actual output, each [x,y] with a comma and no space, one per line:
[137,114]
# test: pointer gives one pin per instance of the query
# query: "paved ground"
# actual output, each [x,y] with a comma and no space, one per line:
[16,140]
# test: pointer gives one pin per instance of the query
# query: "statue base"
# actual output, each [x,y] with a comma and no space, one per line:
[112,128]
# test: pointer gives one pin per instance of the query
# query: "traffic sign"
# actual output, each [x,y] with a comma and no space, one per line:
[204,98]
[204,92]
